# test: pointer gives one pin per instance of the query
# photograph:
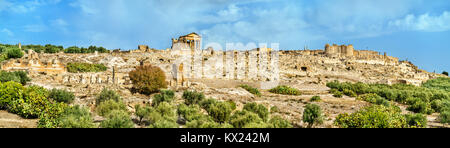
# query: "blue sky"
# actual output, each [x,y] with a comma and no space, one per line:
[417,30]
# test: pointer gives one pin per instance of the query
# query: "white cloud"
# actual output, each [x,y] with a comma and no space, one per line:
[35,28]
[24,6]
[424,22]
[7,32]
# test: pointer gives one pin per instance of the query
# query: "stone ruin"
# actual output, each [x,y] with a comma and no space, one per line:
[185,63]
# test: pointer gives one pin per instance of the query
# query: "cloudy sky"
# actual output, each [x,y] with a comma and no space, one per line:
[414,30]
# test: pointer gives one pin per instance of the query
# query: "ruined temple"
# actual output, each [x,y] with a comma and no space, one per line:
[33,64]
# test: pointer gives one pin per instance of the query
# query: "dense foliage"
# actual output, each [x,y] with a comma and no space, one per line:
[106,107]
[164,96]
[76,117]
[425,99]
[312,115]
[193,97]
[148,79]
[16,76]
[60,95]
[107,94]
[375,116]
[117,119]
[90,49]
[250,89]
[285,90]
[259,109]
[85,67]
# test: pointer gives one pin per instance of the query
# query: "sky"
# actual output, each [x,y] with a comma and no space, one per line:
[414,30]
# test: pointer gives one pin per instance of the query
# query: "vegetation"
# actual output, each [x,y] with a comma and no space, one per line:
[108,106]
[425,99]
[315,99]
[250,89]
[416,120]
[85,67]
[107,94]
[193,97]
[285,90]
[445,73]
[259,109]
[375,116]
[148,79]
[164,96]
[12,52]
[312,115]
[91,49]
[220,112]
[142,112]
[16,76]
[76,117]
[60,95]
[117,119]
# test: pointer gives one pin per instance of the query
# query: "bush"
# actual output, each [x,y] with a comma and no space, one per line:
[220,112]
[164,124]
[373,98]
[85,67]
[49,117]
[33,103]
[338,94]
[148,79]
[259,109]
[250,89]
[167,111]
[117,119]
[9,92]
[315,99]
[437,105]
[73,49]
[420,107]
[13,52]
[17,76]
[444,116]
[76,117]
[108,106]
[416,120]
[193,97]
[312,115]
[278,122]
[207,123]
[205,104]
[164,96]
[142,112]
[285,90]
[274,109]
[62,96]
[242,118]
[190,113]
[107,94]
[438,83]
[375,116]
[445,73]
[349,93]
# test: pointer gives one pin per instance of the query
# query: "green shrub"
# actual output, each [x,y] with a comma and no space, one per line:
[285,90]
[190,113]
[373,98]
[338,94]
[142,112]
[49,117]
[117,119]
[259,109]
[85,67]
[76,117]
[193,97]
[250,89]
[442,83]
[349,93]
[9,92]
[312,115]
[207,123]
[274,109]
[164,96]
[205,104]
[416,120]
[220,112]
[420,107]
[242,118]
[166,110]
[107,94]
[444,116]
[148,79]
[375,116]
[17,76]
[315,99]
[106,107]
[13,52]
[278,122]
[60,95]
[164,124]
[33,103]
[437,105]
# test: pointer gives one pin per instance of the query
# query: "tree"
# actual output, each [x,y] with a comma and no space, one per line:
[76,117]
[14,52]
[117,119]
[193,97]
[445,73]
[312,115]
[60,95]
[164,96]
[142,112]
[148,79]
[220,112]
[107,94]
[259,109]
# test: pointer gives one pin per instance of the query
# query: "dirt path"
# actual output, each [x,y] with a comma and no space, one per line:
[9,120]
